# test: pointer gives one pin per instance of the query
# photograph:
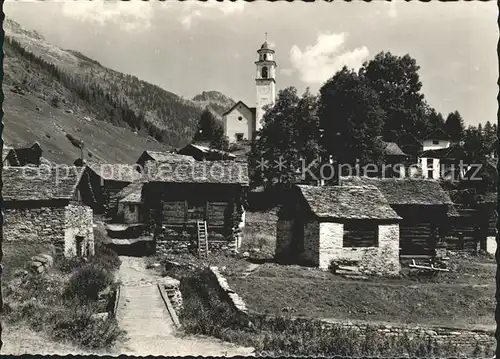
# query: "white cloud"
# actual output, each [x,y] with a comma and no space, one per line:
[194,10]
[320,61]
[130,15]
[287,71]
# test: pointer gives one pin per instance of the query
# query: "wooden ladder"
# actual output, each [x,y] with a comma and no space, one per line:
[202,239]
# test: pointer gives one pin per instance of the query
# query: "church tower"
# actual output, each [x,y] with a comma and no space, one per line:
[265,81]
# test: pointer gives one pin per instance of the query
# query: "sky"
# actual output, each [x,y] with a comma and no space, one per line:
[189,47]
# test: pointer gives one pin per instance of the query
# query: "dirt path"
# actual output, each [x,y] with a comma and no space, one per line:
[150,330]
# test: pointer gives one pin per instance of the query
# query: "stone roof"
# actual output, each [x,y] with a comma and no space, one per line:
[207,150]
[347,202]
[392,149]
[131,193]
[168,156]
[404,191]
[453,152]
[23,145]
[5,152]
[216,172]
[437,134]
[116,171]
[488,197]
[251,109]
[40,183]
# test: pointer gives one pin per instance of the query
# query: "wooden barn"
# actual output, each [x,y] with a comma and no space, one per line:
[46,206]
[107,180]
[422,204]
[204,153]
[22,155]
[337,225]
[181,199]
[474,224]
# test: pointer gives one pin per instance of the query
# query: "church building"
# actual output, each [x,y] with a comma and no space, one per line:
[241,121]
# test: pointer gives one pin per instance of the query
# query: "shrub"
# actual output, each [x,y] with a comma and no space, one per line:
[68,265]
[87,282]
[79,326]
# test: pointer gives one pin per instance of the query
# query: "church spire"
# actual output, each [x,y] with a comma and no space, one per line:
[265,81]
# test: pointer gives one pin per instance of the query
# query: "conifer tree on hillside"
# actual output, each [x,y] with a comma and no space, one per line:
[490,134]
[211,130]
[454,126]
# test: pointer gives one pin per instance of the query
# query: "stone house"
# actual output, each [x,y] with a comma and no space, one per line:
[22,155]
[130,209]
[107,180]
[177,197]
[423,205]
[436,140]
[444,163]
[327,225]
[46,206]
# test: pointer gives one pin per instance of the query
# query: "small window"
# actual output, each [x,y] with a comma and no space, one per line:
[131,208]
[239,137]
[360,234]
[79,246]
[435,142]
[240,118]
[265,73]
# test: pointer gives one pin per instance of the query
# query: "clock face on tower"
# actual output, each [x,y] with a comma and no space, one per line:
[264,90]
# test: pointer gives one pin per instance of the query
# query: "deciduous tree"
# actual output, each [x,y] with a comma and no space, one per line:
[351,119]
[289,135]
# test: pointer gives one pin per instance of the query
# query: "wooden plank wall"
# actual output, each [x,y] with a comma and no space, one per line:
[360,237]
[417,238]
[464,232]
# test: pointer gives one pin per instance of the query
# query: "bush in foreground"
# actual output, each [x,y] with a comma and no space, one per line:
[88,281]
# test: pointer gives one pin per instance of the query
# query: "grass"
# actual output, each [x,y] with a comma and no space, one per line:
[17,254]
[463,297]
[256,242]
[62,301]
[207,312]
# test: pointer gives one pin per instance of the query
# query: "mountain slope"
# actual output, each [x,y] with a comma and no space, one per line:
[51,94]
[76,81]
[215,100]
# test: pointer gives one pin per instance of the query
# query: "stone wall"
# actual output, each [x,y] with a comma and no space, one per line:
[56,225]
[385,261]
[382,260]
[45,225]
[491,245]
[184,243]
[78,222]
[311,250]
[129,211]
[230,294]
[283,238]
[330,243]
[171,286]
